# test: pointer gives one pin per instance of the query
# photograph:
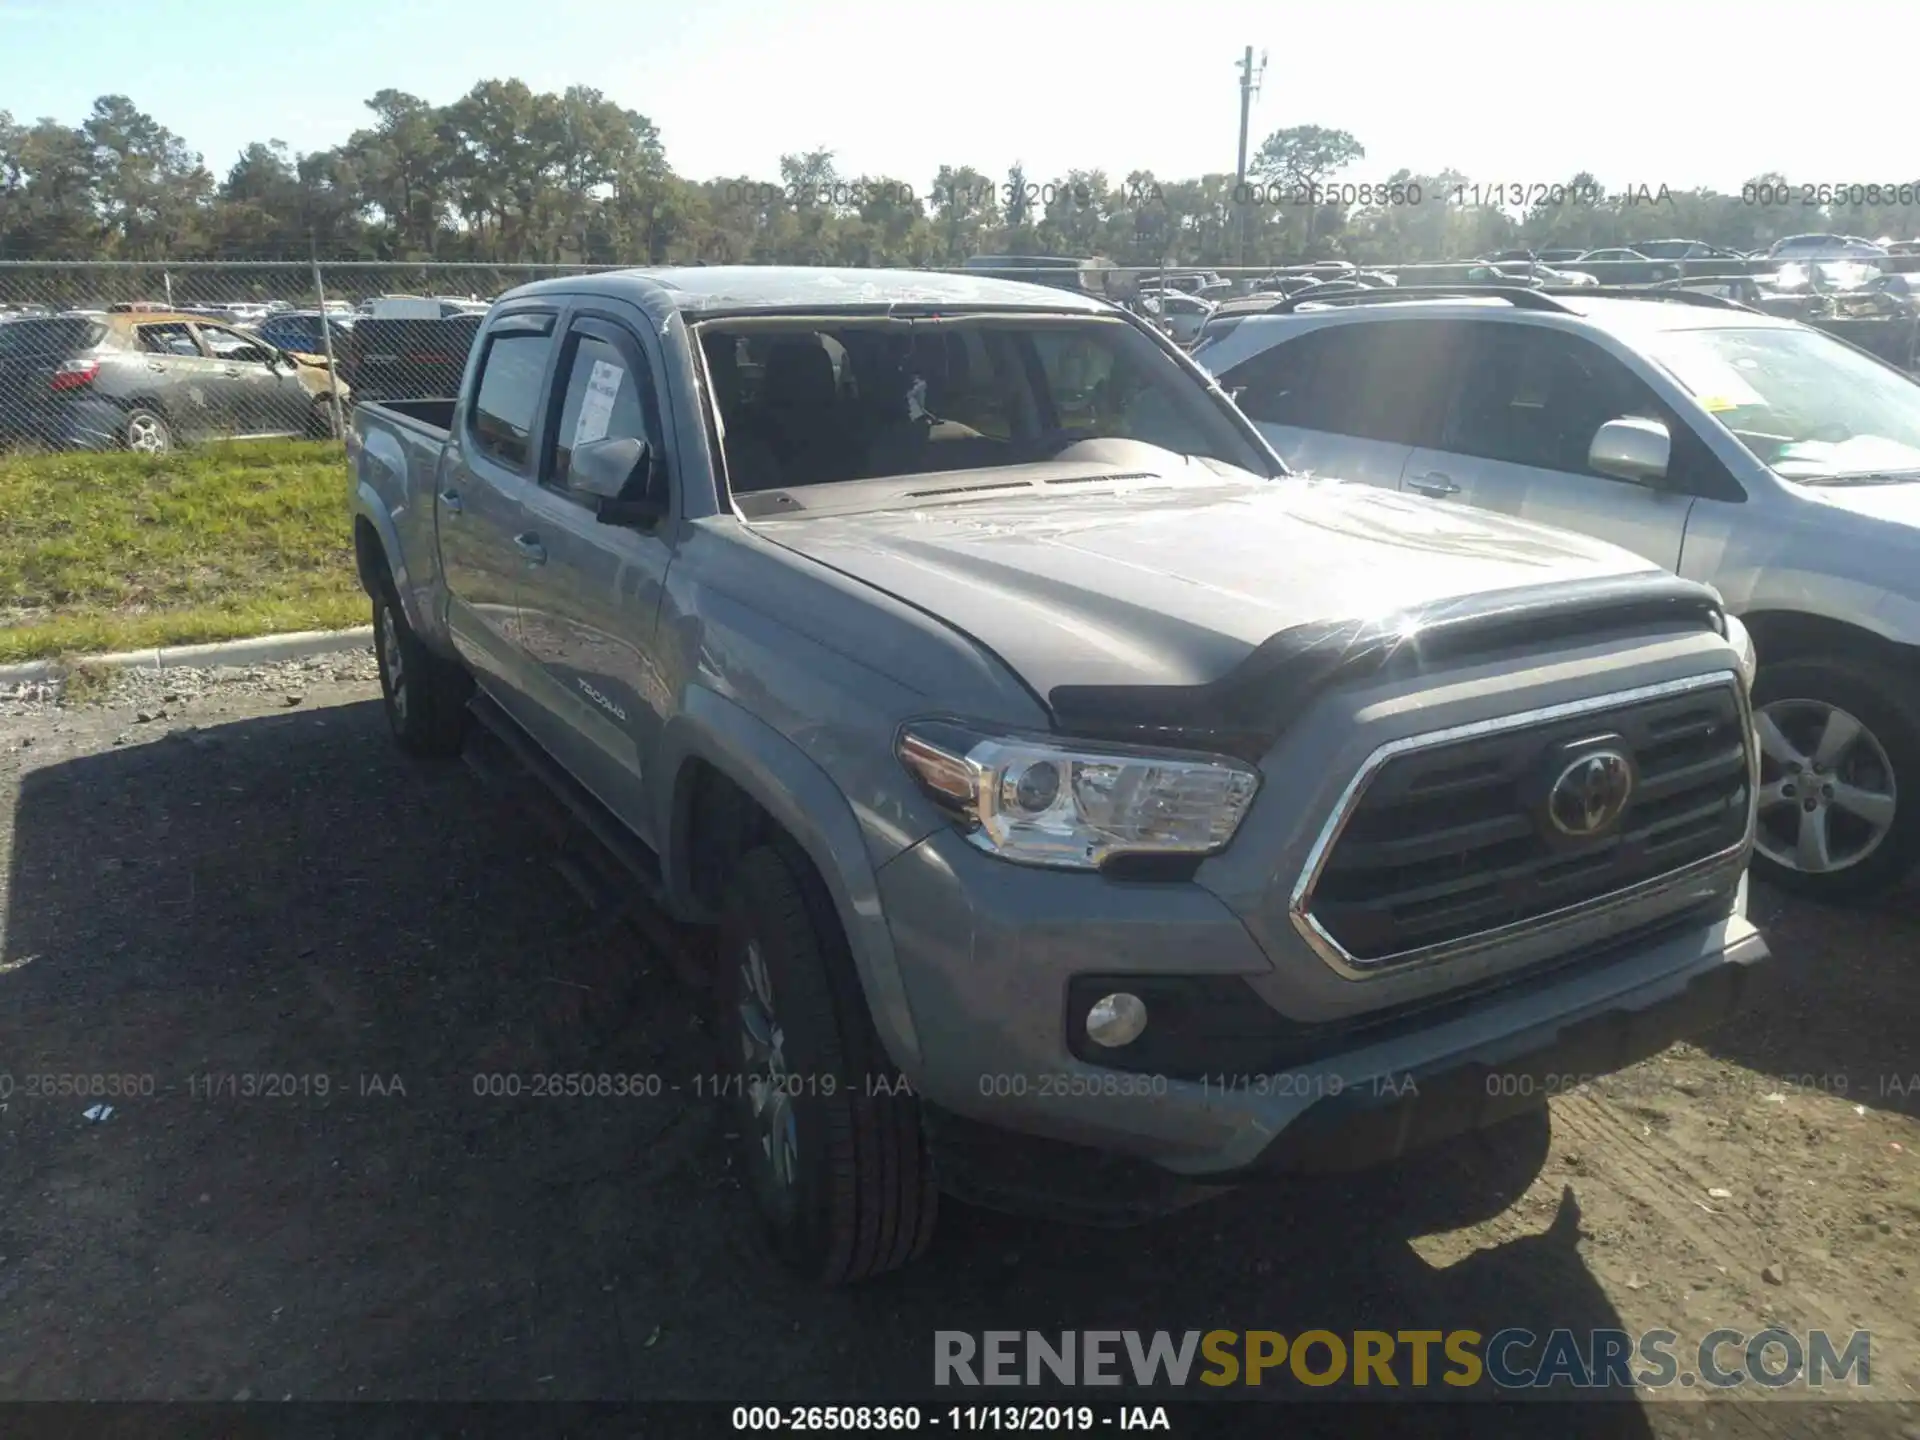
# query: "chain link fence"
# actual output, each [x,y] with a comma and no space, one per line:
[99,355]
[104,355]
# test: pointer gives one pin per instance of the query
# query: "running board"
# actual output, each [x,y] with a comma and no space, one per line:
[635,858]
[613,873]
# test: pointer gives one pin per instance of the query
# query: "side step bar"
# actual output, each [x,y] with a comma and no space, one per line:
[613,873]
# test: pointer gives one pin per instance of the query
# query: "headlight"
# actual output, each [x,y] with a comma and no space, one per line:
[1742,643]
[1047,801]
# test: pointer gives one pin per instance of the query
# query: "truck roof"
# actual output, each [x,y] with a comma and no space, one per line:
[742,289]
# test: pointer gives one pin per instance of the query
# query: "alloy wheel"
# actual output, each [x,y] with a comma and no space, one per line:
[394,663]
[1827,789]
[147,435]
[767,1086]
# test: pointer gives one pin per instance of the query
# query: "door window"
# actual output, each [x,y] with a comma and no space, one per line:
[512,375]
[1535,397]
[607,397]
[168,340]
[1374,380]
[232,346]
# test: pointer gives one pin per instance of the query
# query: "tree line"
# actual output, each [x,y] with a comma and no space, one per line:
[506,174]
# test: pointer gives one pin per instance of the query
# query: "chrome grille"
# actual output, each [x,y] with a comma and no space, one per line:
[1445,839]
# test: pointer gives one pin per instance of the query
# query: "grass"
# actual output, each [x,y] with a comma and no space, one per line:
[121,552]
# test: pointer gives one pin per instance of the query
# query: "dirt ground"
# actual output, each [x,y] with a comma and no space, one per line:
[251,881]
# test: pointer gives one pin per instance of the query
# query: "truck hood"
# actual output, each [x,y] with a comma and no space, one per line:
[1898,502]
[1177,584]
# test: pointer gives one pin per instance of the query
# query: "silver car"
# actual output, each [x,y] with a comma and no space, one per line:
[1759,455]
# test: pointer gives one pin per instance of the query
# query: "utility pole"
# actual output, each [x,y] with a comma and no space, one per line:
[1249,87]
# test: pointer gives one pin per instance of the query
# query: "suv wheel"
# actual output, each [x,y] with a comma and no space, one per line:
[145,430]
[1837,746]
[425,697]
[320,424]
[832,1140]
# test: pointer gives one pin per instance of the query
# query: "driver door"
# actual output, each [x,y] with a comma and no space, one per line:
[259,398]
[589,607]
[1518,431]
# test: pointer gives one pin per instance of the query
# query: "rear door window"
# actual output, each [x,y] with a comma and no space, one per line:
[1372,380]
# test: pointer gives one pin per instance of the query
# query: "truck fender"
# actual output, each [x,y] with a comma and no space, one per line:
[368,506]
[779,776]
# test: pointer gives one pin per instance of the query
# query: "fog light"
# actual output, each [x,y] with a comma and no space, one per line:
[1116,1019]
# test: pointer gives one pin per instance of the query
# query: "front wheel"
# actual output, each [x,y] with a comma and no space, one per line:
[1838,747]
[830,1135]
[320,424]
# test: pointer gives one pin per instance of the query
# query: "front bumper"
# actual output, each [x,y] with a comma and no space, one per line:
[988,952]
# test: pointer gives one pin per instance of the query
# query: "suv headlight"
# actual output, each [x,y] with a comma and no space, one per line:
[1742,643]
[1048,801]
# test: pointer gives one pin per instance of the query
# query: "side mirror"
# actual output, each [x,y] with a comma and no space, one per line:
[1632,449]
[623,479]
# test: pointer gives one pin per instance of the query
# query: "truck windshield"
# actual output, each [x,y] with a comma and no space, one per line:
[815,403]
[1810,408]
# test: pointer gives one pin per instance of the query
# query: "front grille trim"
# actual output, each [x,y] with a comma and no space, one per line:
[1322,942]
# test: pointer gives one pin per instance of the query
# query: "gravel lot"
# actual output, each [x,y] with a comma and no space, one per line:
[234,873]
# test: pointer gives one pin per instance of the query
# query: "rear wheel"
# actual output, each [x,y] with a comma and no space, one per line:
[145,431]
[832,1140]
[1839,812]
[425,696]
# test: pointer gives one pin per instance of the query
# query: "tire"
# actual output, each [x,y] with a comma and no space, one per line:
[843,1180]
[145,431]
[425,697]
[320,424]
[1879,769]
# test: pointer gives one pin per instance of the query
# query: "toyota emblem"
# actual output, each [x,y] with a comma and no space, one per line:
[1589,794]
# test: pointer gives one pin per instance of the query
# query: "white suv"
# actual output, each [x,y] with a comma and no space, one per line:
[1764,457]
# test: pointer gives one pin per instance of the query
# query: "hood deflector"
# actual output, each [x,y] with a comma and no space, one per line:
[1246,710]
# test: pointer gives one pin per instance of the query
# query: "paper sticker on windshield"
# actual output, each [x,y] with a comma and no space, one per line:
[596,406]
[1716,403]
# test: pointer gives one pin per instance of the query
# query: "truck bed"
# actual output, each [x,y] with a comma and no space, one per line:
[434,415]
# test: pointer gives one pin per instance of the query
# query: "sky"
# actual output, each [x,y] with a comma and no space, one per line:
[1677,93]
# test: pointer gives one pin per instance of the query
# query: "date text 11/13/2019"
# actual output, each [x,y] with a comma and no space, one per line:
[897,1419]
[285,1085]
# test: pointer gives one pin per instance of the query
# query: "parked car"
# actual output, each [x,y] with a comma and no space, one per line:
[421,307]
[400,359]
[1031,738]
[300,331]
[1613,255]
[1745,451]
[1566,256]
[1181,316]
[1805,248]
[147,381]
[1684,250]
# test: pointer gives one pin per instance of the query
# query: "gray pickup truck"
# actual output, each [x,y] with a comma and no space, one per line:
[1090,814]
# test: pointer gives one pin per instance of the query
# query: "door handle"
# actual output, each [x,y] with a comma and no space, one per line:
[1433,483]
[531,548]
[451,499]
[229,369]
[156,365]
